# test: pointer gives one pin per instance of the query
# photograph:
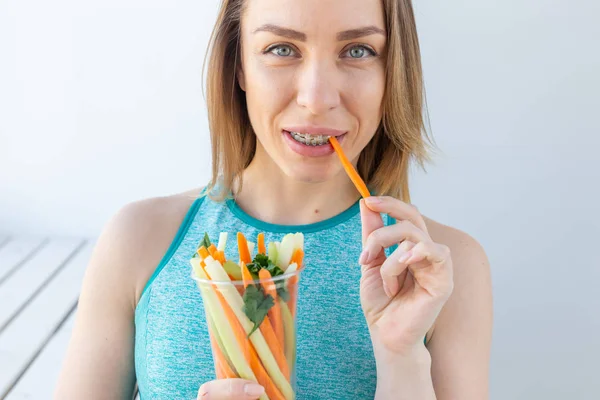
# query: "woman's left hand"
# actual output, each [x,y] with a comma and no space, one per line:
[403,294]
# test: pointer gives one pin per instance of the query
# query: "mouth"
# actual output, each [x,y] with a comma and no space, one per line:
[309,139]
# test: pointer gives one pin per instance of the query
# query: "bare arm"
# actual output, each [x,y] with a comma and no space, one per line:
[461,338]
[99,363]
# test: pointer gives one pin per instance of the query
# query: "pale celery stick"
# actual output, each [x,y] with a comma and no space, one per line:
[272,251]
[236,303]
[222,241]
[230,344]
[219,341]
[299,241]
[285,251]
[289,333]
[251,246]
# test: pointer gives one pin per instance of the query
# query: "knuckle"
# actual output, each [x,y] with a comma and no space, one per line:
[376,236]
[445,250]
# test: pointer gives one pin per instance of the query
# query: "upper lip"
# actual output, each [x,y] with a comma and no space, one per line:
[314,130]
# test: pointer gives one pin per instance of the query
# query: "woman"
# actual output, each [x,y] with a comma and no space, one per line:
[413,322]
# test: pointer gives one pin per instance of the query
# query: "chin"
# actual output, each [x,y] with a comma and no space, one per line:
[305,174]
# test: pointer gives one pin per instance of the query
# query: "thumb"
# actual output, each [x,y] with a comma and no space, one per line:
[370,220]
[230,389]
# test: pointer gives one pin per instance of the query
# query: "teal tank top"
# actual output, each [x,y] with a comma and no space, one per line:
[334,352]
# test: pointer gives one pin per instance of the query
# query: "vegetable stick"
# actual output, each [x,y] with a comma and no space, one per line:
[249,352]
[270,335]
[293,286]
[258,340]
[261,243]
[243,248]
[290,335]
[275,311]
[246,276]
[297,257]
[350,171]
[230,342]
[212,250]
[221,362]
[222,241]
[263,377]
[203,252]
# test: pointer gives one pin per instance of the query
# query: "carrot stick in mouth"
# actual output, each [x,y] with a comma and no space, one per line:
[350,170]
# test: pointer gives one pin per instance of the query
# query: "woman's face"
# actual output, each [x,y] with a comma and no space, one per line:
[312,68]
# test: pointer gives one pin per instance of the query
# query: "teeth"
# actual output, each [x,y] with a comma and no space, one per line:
[311,140]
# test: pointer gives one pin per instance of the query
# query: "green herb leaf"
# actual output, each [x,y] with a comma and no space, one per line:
[256,306]
[205,241]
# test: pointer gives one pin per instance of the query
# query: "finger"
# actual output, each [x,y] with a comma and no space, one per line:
[370,220]
[436,254]
[393,270]
[389,235]
[397,209]
[230,389]
[431,266]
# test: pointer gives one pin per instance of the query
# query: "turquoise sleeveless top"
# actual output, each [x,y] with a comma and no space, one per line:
[334,352]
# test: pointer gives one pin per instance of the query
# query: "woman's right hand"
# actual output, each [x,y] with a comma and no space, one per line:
[230,389]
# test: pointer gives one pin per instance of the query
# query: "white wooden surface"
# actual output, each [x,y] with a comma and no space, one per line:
[39,380]
[15,251]
[25,282]
[37,297]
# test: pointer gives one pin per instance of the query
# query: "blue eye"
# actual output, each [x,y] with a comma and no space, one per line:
[358,52]
[280,50]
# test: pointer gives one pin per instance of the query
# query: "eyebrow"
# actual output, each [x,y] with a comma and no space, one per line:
[341,36]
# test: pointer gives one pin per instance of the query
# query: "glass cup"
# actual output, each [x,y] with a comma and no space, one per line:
[252,329]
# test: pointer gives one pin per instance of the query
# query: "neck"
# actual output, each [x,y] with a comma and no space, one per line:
[269,195]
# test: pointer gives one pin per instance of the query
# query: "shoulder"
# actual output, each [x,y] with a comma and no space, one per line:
[136,238]
[471,300]
[465,249]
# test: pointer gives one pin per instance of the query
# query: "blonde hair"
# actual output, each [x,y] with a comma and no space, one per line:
[384,163]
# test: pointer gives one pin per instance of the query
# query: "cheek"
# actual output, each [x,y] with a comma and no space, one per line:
[363,91]
[267,91]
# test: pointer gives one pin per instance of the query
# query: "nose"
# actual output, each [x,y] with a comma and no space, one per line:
[318,91]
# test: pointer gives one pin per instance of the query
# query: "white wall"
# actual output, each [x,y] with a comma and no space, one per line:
[101,104]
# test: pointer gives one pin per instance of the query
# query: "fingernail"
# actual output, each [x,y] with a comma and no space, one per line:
[386,290]
[253,389]
[373,200]
[364,257]
[404,257]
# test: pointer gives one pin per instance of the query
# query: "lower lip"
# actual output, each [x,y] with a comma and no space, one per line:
[307,150]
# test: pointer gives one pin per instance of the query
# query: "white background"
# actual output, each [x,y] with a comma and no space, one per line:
[101,104]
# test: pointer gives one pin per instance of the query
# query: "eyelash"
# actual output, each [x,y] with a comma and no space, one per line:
[369,50]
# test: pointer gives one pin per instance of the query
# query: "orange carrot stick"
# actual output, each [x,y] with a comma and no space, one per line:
[297,257]
[263,377]
[268,332]
[249,352]
[243,248]
[246,276]
[212,250]
[203,252]
[223,367]
[350,171]
[275,311]
[261,244]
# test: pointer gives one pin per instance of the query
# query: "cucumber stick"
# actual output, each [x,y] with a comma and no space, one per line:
[218,340]
[289,333]
[236,303]
[286,250]
[230,344]
[272,251]
[222,241]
